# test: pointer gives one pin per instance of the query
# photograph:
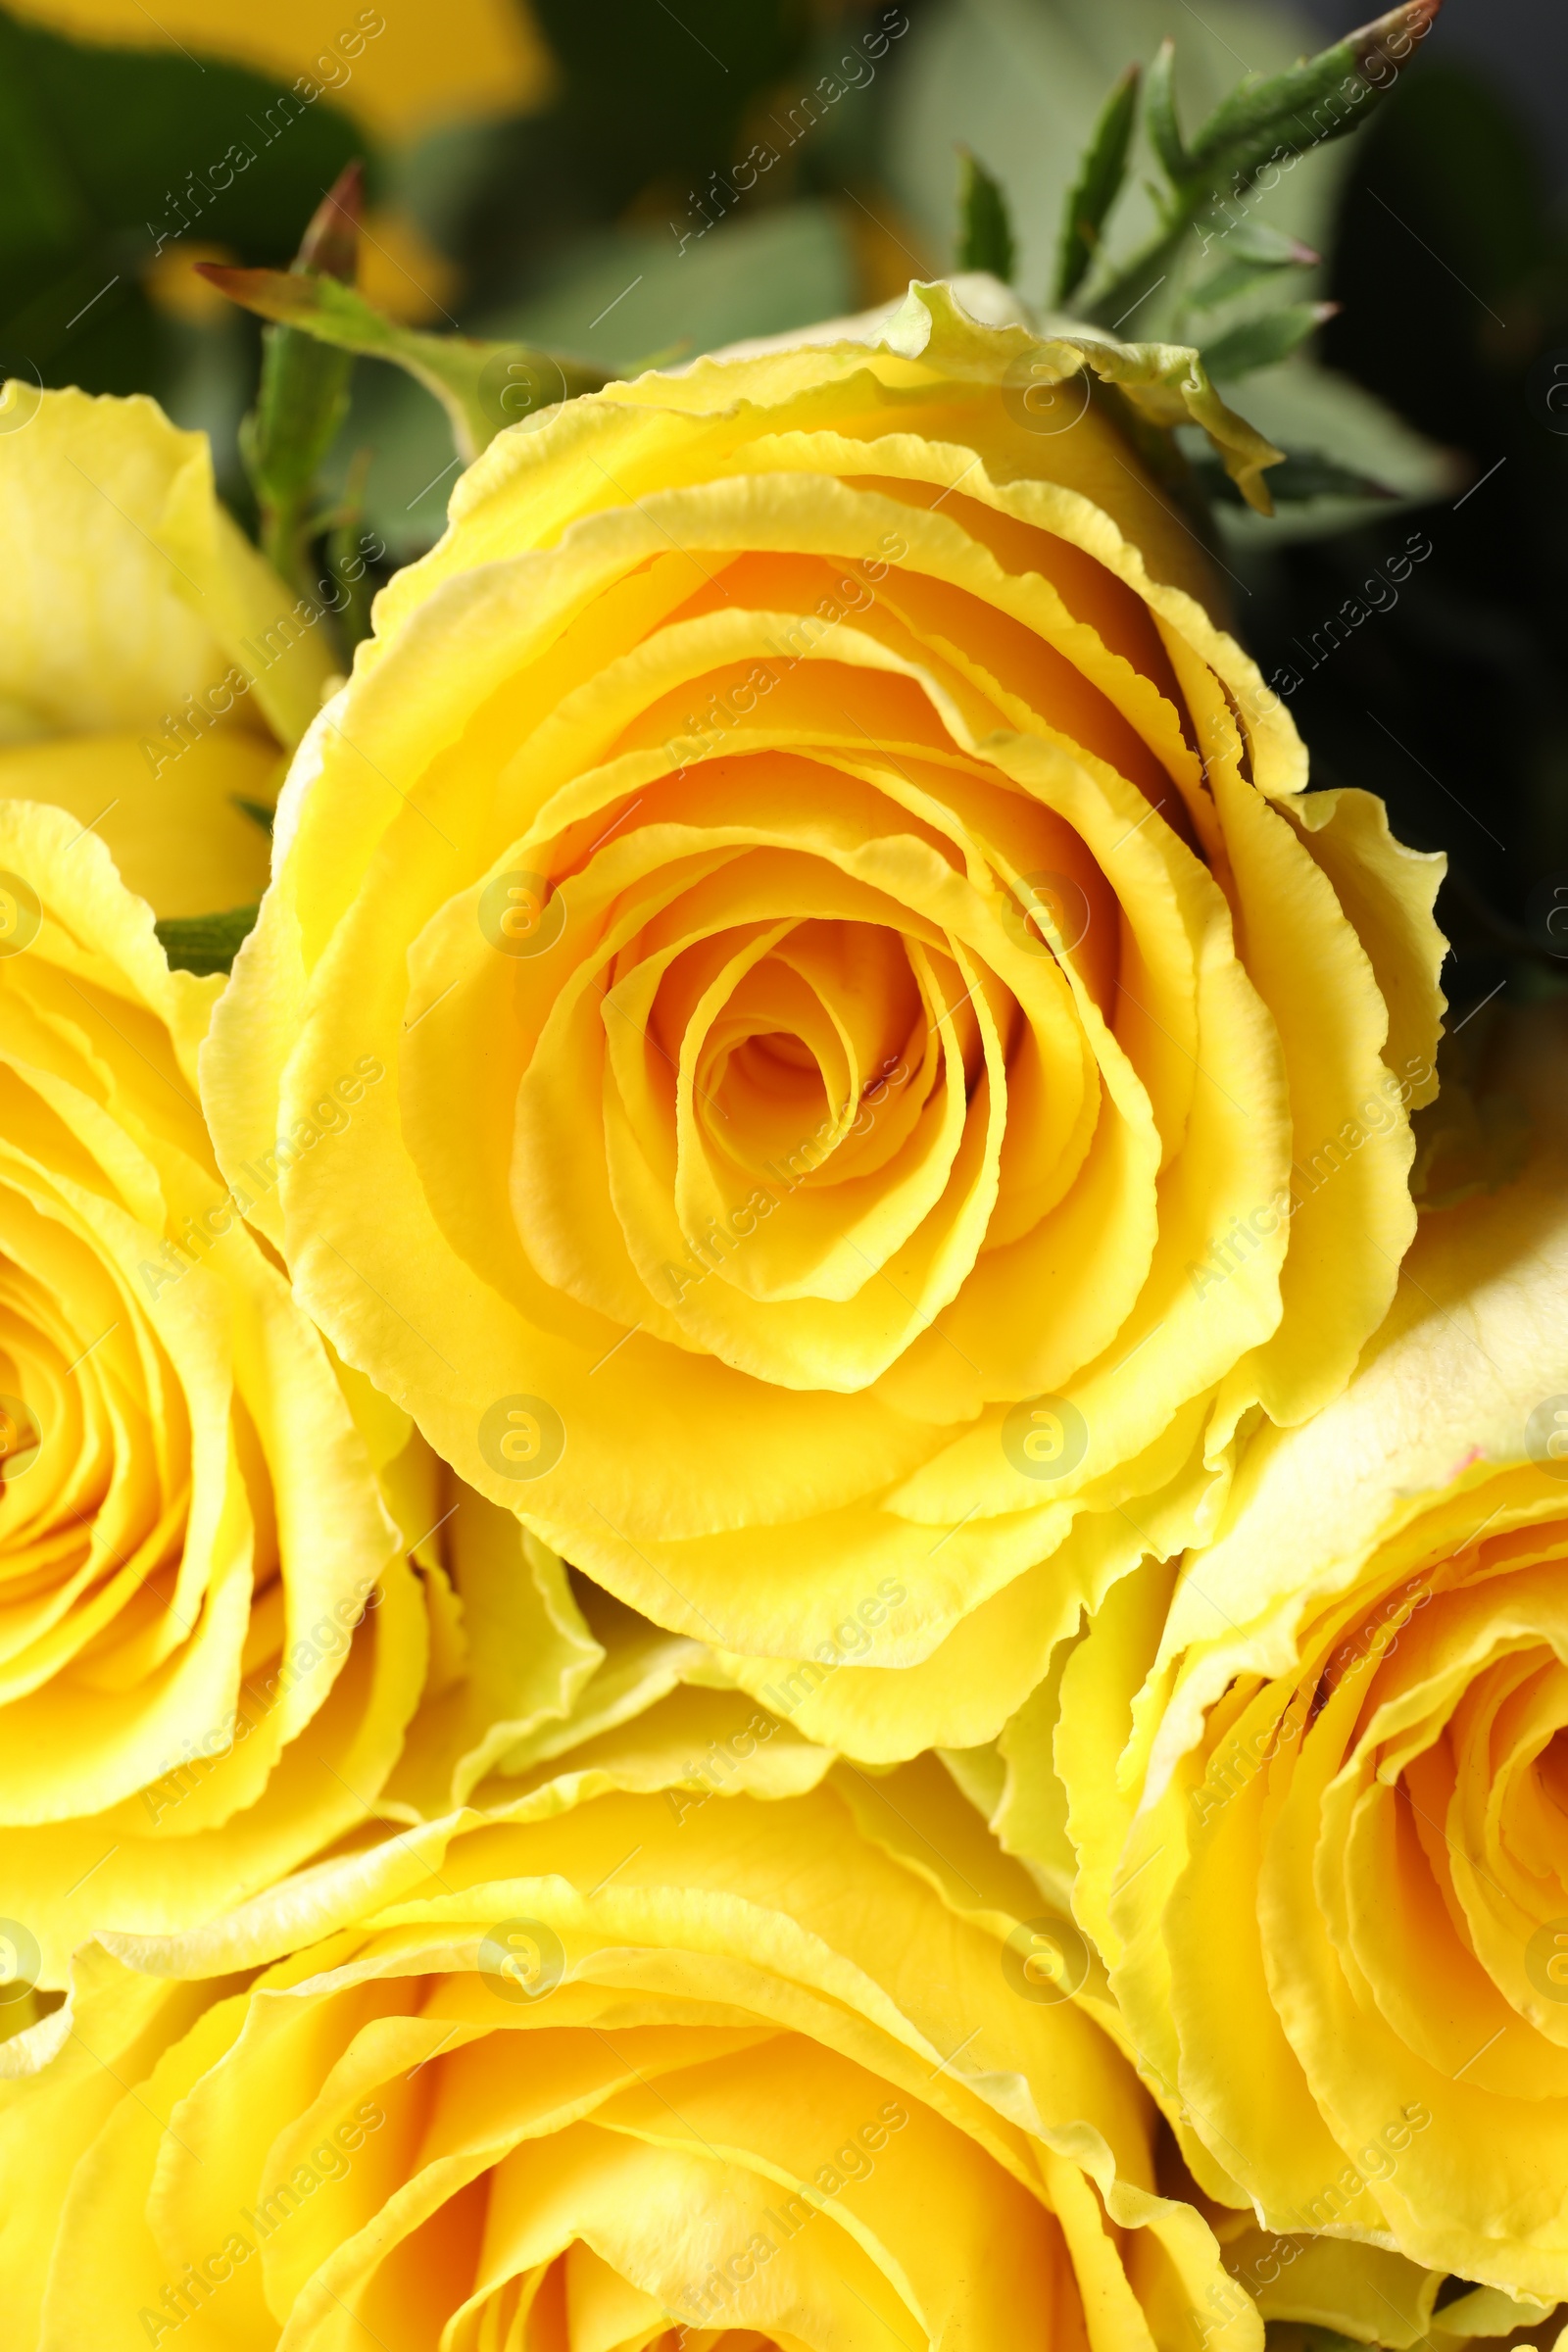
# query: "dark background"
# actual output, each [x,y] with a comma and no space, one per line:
[1520,46]
[1455,309]
[595,219]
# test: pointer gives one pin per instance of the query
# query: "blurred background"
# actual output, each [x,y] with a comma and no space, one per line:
[647,178]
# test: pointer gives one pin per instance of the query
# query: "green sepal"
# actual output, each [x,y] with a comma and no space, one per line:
[1270,248]
[1301,475]
[1098,183]
[1258,122]
[985,230]
[482,386]
[1310,103]
[1163,129]
[1263,342]
[1243,269]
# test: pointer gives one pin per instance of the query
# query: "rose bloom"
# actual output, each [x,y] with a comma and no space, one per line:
[154,670]
[846,943]
[1320,1810]
[662,2051]
[197,1508]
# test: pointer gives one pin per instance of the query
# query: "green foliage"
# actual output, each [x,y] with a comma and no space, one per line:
[206,943]
[985,230]
[1097,187]
[482,386]
[1320,99]
[108,157]
[757,275]
[1256,253]
[1263,341]
[1163,129]
[1299,478]
[303,394]
[1452,264]
[1266,124]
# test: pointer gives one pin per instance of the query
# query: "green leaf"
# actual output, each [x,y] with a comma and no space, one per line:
[1022,81]
[985,230]
[1301,476]
[482,386]
[1255,241]
[1163,128]
[205,942]
[1323,419]
[1262,342]
[1098,183]
[256,810]
[1262,121]
[1320,99]
[1244,270]
[1236,279]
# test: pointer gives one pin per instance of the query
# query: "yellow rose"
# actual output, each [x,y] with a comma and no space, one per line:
[855,969]
[193,1698]
[153,668]
[644,2058]
[1319,1808]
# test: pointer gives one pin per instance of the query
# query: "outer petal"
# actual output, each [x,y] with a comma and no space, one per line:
[1314,1800]
[152,666]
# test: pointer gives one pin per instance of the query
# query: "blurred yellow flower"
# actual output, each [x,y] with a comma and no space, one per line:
[402,273]
[642,2058]
[1321,1805]
[399,271]
[172,285]
[398,70]
[851,955]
